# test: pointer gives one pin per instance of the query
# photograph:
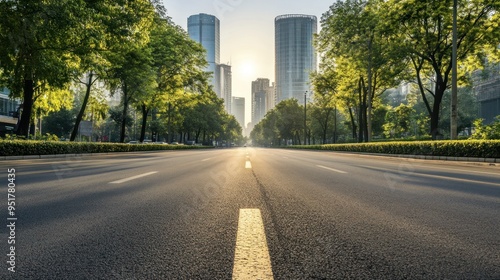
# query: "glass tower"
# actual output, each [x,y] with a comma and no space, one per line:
[295,57]
[205,29]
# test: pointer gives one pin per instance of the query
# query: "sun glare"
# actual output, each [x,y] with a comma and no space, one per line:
[247,69]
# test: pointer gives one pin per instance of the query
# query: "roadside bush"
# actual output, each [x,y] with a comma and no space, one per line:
[484,132]
[23,147]
[466,148]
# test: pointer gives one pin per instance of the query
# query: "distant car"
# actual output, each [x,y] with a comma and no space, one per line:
[133,142]
[174,143]
[191,143]
[147,142]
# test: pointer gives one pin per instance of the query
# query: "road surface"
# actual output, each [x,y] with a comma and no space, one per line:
[251,213]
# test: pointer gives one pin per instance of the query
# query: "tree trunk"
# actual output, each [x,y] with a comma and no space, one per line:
[169,124]
[435,113]
[145,112]
[124,114]
[24,123]
[353,124]
[325,127]
[369,92]
[79,117]
[197,137]
[361,123]
[335,125]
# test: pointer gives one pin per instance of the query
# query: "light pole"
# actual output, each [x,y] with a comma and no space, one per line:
[454,94]
[305,118]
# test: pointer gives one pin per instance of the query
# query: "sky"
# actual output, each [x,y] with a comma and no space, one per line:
[246,34]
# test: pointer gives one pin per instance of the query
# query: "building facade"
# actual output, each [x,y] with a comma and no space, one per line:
[263,99]
[487,88]
[295,56]
[9,112]
[238,110]
[205,29]
[225,85]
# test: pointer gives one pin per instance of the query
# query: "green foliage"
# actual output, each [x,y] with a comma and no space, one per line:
[424,36]
[369,46]
[26,148]
[284,123]
[398,121]
[467,148]
[59,123]
[356,46]
[491,131]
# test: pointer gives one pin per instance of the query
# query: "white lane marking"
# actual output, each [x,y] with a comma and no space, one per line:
[251,256]
[207,159]
[462,170]
[331,169]
[407,173]
[248,164]
[133,178]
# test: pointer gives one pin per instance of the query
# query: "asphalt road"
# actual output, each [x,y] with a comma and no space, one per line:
[322,215]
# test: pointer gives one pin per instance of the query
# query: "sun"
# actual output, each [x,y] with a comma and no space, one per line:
[247,69]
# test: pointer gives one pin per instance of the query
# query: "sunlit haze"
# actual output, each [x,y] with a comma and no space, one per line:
[246,33]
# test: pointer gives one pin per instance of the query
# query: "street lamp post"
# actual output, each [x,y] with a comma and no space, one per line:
[305,118]
[454,94]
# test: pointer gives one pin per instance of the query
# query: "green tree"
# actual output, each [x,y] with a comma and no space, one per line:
[425,37]
[398,121]
[284,123]
[177,62]
[325,89]
[353,34]
[38,39]
[59,123]
[484,132]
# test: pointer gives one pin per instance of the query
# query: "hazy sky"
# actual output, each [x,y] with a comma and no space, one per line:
[247,33]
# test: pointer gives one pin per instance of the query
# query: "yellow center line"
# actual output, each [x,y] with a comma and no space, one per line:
[251,257]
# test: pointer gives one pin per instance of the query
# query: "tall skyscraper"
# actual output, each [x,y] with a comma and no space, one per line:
[205,29]
[225,85]
[262,99]
[238,110]
[295,55]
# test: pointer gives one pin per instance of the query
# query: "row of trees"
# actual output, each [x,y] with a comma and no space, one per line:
[395,116]
[129,47]
[370,46]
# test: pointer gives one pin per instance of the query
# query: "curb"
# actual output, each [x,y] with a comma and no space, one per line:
[2,158]
[490,161]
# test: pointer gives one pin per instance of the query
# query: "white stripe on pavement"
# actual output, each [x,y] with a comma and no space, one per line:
[251,257]
[133,178]
[331,169]
[248,164]
[207,159]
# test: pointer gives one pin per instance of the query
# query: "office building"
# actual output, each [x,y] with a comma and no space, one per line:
[225,85]
[8,112]
[487,87]
[238,110]
[294,54]
[205,29]
[263,96]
